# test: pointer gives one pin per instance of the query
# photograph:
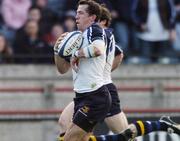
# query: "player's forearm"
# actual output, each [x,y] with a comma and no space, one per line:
[117,61]
[61,64]
[95,49]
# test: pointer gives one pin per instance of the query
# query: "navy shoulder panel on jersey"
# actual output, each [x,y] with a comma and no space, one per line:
[109,40]
[95,32]
[108,32]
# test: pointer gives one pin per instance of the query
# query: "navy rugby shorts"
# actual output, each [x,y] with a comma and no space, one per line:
[115,106]
[91,108]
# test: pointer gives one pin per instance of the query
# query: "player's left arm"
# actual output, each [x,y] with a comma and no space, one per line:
[117,61]
[96,47]
[118,57]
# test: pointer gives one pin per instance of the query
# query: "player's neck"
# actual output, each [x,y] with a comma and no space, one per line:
[86,26]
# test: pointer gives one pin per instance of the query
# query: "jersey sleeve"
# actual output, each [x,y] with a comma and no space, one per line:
[118,50]
[95,33]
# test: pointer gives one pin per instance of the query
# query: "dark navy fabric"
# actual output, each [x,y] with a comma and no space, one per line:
[91,108]
[115,105]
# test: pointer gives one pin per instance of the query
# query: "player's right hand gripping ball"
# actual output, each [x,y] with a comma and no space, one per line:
[71,42]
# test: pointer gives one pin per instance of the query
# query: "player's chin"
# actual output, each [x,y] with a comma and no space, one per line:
[78,25]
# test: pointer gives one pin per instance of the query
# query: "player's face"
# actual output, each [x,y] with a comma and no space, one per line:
[83,19]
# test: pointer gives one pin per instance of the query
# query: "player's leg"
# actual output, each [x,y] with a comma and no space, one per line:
[117,123]
[140,128]
[116,119]
[90,108]
[74,133]
[65,119]
[118,137]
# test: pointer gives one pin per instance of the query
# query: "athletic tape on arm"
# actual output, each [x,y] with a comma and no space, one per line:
[96,48]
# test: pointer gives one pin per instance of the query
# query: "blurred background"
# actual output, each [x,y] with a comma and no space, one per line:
[33,93]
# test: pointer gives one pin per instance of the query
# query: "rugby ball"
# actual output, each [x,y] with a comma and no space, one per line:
[71,42]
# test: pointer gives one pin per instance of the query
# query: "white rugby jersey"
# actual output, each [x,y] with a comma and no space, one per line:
[111,51]
[90,70]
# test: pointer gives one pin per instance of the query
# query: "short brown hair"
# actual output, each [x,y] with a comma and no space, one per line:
[105,15]
[94,8]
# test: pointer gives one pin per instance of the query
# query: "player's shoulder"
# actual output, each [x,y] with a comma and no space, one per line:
[95,28]
[109,30]
[95,32]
